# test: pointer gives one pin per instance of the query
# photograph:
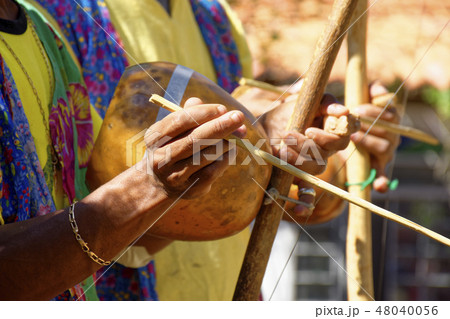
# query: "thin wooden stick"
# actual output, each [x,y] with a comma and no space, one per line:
[401,130]
[266,224]
[359,230]
[275,161]
[261,85]
[388,126]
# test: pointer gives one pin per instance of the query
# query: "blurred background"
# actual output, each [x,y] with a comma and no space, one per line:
[407,266]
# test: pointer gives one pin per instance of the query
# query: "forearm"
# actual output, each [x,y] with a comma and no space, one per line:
[40,257]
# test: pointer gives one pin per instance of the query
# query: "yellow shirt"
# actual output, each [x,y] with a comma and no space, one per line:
[149,34]
[33,61]
[33,58]
[184,270]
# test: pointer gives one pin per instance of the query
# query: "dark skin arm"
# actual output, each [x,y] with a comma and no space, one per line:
[40,257]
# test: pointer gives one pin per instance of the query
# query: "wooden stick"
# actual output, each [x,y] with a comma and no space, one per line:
[268,219]
[382,101]
[359,230]
[275,161]
[401,130]
[261,85]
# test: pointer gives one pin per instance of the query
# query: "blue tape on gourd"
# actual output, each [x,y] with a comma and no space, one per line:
[176,88]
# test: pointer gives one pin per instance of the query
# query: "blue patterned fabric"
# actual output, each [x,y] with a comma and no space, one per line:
[24,190]
[87,26]
[121,283]
[216,30]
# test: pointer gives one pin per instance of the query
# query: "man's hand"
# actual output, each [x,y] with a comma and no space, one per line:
[309,151]
[172,144]
[379,143]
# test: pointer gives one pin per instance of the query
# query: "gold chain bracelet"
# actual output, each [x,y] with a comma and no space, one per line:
[83,244]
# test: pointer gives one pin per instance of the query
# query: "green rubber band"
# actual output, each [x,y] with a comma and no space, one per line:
[369,181]
[393,184]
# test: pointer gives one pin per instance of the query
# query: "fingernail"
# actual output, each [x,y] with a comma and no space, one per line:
[235,116]
[357,110]
[355,138]
[310,135]
[288,138]
[221,109]
[241,131]
[338,107]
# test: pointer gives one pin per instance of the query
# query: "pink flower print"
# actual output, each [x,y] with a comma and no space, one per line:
[44,210]
[61,131]
[5,191]
[8,155]
[79,99]
[100,54]
[226,39]
[8,86]
[102,88]
[107,67]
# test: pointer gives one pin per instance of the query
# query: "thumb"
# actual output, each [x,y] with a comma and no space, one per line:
[381,183]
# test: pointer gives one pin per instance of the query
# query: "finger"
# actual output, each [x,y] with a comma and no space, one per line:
[381,184]
[376,88]
[312,163]
[380,156]
[369,110]
[294,140]
[334,109]
[300,144]
[205,135]
[181,121]
[295,88]
[327,141]
[378,131]
[303,210]
[328,99]
[207,176]
[203,158]
[376,146]
[392,138]
[381,153]
[192,101]
[241,132]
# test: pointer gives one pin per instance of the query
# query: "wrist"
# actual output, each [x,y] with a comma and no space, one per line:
[134,199]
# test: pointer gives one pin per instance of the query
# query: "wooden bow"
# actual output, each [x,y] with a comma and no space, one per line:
[267,222]
[359,229]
